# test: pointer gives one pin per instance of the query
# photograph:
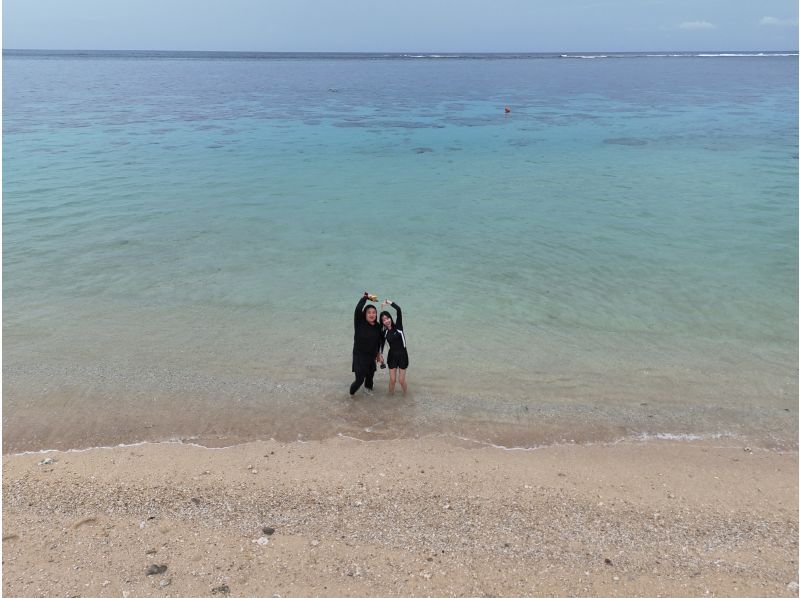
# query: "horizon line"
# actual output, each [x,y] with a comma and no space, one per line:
[499,52]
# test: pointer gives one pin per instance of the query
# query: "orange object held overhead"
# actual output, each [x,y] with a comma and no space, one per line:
[508,109]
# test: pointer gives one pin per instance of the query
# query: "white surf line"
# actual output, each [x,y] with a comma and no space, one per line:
[135,444]
[340,435]
[643,437]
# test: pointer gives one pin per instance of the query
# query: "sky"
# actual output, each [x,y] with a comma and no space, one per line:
[402,25]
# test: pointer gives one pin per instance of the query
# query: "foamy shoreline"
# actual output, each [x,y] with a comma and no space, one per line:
[402,517]
[455,440]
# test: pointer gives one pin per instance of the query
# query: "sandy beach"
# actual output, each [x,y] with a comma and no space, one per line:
[428,517]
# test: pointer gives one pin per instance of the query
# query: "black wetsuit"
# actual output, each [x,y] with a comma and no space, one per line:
[366,345]
[398,354]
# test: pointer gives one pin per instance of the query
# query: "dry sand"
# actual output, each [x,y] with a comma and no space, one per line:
[407,517]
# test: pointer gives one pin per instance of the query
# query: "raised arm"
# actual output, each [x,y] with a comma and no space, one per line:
[399,322]
[357,317]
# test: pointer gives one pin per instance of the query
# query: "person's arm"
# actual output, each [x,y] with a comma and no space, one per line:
[399,323]
[357,317]
[383,344]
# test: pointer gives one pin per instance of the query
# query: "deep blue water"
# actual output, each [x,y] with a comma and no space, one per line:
[616,256]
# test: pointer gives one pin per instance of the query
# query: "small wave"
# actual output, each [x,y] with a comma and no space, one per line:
[340,435]
[682,437]
[717,55]
[171,441]
[684,55]
[90,448]
[432,56]
[641,437]
[736,55]
[501,446]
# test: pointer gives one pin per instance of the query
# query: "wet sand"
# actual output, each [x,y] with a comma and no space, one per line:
[402,517]
[49,409]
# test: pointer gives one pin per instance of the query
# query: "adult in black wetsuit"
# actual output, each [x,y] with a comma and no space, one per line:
[366,345]
[398,353]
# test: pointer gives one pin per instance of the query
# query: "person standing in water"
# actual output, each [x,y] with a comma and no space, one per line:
[366,344]
[398,353]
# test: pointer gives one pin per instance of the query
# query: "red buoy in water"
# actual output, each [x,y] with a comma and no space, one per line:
[508,109]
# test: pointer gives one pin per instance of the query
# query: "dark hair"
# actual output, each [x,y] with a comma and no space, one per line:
[385,313]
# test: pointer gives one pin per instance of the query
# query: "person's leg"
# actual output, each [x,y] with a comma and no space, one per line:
[368,380]
[356,385]
[403,381]
[392,380]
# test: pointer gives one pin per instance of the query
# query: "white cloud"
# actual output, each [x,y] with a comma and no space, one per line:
[775,22]
[691,25]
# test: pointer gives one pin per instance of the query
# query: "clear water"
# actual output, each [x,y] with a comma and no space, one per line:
[185,237]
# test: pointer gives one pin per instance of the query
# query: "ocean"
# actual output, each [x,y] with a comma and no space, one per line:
[185,236]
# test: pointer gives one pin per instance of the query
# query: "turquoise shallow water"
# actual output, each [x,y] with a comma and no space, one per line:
[185,237]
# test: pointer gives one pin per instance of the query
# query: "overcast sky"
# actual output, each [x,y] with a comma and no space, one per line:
[402,25]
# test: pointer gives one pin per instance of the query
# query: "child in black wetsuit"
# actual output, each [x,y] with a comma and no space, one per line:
[398,353]
[366,345]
